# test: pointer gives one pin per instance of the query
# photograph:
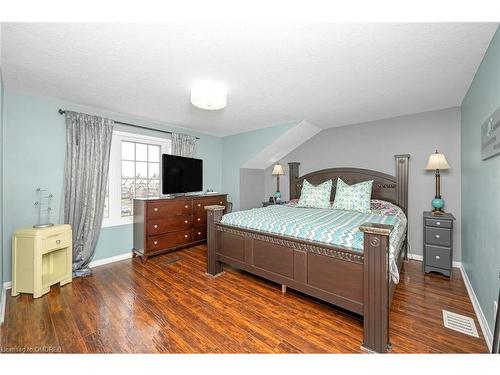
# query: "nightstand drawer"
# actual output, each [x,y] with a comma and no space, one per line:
[57,241]
[438,223]
[437,236]
[437,257]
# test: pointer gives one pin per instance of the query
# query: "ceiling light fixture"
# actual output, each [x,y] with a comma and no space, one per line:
[209,95]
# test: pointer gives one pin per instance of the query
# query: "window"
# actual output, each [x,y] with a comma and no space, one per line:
[134,172]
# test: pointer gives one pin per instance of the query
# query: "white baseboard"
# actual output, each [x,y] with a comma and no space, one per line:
[455,263]
[488,336]
[7,285]
[117,258]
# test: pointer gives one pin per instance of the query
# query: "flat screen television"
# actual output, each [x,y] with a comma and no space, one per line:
[181,175]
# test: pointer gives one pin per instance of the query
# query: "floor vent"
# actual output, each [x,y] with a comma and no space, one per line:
[460,323]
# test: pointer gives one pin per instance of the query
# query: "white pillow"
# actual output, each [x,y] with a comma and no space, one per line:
[315,196]
[355,197]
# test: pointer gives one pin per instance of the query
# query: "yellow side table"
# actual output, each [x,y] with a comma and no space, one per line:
[41,257]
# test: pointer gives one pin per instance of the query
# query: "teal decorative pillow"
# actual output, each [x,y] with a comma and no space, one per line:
[353,197]
[315,196]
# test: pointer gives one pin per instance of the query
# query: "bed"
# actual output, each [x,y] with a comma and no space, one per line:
[349,260]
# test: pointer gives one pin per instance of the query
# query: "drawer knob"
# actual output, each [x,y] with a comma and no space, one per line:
[156,208]
[199,219]
[186,235]
[58,242]
[438,257]
[186,206]
[155,226]
[438,223]
[199,233]
[155,242]
[438,236]
[186,221]
[220,202]
[199,204]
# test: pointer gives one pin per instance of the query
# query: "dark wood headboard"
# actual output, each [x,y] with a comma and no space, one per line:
[393,189]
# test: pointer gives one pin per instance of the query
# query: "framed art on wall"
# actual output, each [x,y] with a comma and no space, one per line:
[490,136]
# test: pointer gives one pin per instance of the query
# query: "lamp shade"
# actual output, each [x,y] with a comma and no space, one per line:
[208,95]
[437,161]
[278,170]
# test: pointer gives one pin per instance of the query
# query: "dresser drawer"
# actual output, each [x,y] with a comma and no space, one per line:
[437,236]
[200,233]
[57,241]
[437,257]
[438,223]
[200,218]
[169,208]
[169,224]
[165,241]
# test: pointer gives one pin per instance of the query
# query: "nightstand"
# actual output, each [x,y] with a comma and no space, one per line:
[438,243]
[41,257]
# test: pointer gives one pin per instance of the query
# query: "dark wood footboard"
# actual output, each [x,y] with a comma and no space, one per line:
[357,282]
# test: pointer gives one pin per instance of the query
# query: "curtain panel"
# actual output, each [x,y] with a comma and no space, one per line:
[183,145]
[88,146]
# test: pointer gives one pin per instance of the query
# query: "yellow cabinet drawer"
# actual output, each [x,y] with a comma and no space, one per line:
[57,241]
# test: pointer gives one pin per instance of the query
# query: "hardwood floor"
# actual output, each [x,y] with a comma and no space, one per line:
[164,307]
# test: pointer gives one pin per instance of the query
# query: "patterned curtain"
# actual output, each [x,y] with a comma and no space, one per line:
[183,145]
[88,146]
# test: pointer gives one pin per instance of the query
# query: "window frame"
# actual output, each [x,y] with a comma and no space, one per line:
[115,172]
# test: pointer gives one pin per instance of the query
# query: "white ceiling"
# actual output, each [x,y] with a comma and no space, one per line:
[327,74]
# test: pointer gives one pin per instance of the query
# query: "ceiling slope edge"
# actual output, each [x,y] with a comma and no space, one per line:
[283,145]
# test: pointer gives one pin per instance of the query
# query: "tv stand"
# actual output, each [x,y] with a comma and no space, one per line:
[168,224]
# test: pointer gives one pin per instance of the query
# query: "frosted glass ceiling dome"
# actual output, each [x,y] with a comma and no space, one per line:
[210,95]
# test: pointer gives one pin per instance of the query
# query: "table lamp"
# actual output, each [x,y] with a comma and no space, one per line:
[277,171]
[436,163]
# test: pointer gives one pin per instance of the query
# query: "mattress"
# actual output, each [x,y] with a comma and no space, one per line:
[338,228]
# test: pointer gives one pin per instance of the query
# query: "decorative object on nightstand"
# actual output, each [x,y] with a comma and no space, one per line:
[44,207]
[436,163]
[41,257]
[438,243]
[277,171]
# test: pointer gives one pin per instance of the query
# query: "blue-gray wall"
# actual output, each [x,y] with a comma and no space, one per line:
[238,149]
[34,150]
[481,185]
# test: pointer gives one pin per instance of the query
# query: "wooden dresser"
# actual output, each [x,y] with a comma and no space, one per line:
[162,225]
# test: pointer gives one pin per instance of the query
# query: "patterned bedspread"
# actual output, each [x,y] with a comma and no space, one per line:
[329,226]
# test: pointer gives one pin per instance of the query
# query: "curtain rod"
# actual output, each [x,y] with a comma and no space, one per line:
[63,111]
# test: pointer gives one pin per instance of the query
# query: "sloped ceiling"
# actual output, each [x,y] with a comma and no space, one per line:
[327,74]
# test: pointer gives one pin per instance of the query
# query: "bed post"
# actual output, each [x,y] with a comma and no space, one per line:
[293,174]
[376,282]
[214,214]
[402,162]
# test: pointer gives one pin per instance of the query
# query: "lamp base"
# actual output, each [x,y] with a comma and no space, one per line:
[277,197]
[437,205]
[437,212]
